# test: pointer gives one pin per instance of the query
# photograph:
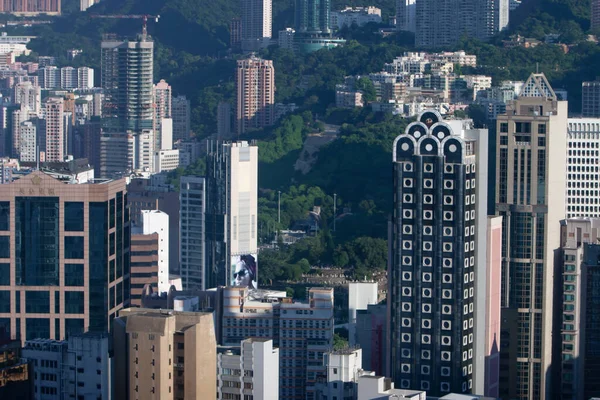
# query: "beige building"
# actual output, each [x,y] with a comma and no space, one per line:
[144,264]
[531,179]
[64,253]
[255,94]
[164,355]
[55,130]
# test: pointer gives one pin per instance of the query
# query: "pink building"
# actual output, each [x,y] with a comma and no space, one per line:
[492,320]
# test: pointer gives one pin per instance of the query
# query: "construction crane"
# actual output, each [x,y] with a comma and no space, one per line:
[143,17]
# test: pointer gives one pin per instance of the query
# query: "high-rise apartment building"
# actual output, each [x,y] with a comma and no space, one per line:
[258,361]
[223,120]
[531,182]
[578,314]
[590,98]
[65,256]
[28,144]
[164,355]
[192,256]
[313,16]
[52,77]
[180,113]
[144,264]
[303,332]
[127,140]
[162,110]
[443,24]
[583,161]
[438,265]
[406,15]
[595,15]
[255,94]
[28,94]
[256,24]
[235,33]
[230,215]
[31,7]
[56,141]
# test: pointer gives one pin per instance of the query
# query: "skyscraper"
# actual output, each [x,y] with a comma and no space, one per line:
[162,110]
[180,113]
[441,24]
[257,21]
[192,257]
[583,160]
[595,20]
[578,314]
[406,15]
[55,130]
[65,256]
[530,180]
[255,94]
[313,16]
[439,220]
[590,97]
[28,94]
[127,137]
[231,214]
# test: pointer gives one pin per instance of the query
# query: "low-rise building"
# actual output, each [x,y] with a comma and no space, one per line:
[355,16]
[371,387]
[340,381]
[166,160]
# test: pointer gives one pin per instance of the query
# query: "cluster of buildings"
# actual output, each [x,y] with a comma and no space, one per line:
[31,7]
[122,124]
[418,81]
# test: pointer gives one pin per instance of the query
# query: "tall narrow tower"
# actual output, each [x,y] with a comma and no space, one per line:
[127,137]
[530,173]
[438,251]
[255,94]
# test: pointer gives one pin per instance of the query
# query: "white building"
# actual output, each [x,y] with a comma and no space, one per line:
[17,49]
[166,160]
[583,162]
[28,94]
[355,16]
[165,133]
[286,38]
[28,142]
[250,370]
[348,98]
[192,207]
[381,388]
[156,221]
[344,368]
[51,77]
[92,364]
[302,331]
[360,295]
[51,361]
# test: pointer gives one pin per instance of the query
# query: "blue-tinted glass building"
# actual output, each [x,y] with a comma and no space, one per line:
[64,256]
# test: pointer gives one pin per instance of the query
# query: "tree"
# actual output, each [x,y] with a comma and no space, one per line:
[365,85]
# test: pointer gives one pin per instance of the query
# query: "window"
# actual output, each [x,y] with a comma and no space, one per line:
[74,247]
[542,129]
[522,127]
[73,216]
[4,215]
[74,303]
[504,127]
[4,246]
[37,302]
[73,274]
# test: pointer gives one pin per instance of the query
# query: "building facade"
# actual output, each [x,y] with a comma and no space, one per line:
[303,332]
[192,254]
[595,15]
[583,159]
[56,141]
[256,24]
[590,97]
[25,7]
[180,113]
[144,264]
[231,231]
[250,370]
[439,25]
[530,176]
[162,110]
[406,15]
[577,312]
[340,381]
[439,220]
[53,235]
[127,141]
[255,94]
[164,355]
